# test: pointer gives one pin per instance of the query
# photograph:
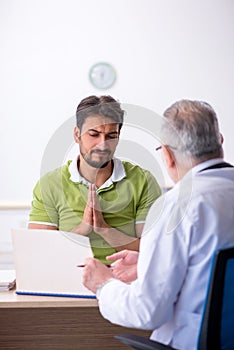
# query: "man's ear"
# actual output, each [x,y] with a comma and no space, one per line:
[77,134]
[222,139]
[168,157]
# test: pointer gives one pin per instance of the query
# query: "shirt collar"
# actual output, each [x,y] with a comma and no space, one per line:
[117,175]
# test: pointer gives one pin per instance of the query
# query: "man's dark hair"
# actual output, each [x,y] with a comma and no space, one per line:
[105,106]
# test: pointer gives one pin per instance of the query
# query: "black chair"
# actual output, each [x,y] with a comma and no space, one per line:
[217,327]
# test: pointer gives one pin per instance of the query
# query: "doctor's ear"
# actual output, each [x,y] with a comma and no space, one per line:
[168,157]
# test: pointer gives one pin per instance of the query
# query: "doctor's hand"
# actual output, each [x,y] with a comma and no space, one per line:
[95,274]
[125,266]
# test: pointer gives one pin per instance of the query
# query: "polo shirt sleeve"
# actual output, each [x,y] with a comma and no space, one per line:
[43,209]
[150,191]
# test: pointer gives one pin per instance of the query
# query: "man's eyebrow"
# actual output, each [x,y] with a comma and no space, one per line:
[94,130]
[113,132]
[99,132]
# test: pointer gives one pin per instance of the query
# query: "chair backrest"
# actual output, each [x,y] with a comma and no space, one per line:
[217,328]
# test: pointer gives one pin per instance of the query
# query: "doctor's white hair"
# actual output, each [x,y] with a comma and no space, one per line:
[191,129]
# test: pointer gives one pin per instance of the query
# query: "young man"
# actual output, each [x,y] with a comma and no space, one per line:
[96,194]
[172,269]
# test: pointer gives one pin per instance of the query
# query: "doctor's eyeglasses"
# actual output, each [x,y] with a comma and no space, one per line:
[160,147]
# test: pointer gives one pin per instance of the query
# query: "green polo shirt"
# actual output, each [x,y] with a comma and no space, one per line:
[59,199]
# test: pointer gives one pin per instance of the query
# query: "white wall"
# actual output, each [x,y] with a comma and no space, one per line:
[163,50]
[9,219]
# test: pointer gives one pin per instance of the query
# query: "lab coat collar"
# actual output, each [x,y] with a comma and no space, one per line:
[199,167]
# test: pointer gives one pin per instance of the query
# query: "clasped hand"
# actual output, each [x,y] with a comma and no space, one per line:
[92,219]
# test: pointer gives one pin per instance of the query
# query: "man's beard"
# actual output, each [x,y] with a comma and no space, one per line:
[96,164]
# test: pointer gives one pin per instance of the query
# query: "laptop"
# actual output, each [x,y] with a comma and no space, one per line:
[46,262]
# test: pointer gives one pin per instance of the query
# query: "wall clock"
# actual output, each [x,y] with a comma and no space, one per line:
[102,75]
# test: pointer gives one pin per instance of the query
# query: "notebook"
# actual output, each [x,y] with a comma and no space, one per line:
[46,262]
[7,280]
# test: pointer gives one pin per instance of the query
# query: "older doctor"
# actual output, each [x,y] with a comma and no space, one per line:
[171,270]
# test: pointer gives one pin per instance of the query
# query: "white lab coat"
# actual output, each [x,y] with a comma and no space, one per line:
[182,230]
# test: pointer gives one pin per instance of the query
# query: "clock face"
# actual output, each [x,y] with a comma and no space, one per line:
[102,75]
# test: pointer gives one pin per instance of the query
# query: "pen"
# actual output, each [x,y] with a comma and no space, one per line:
[107,265]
